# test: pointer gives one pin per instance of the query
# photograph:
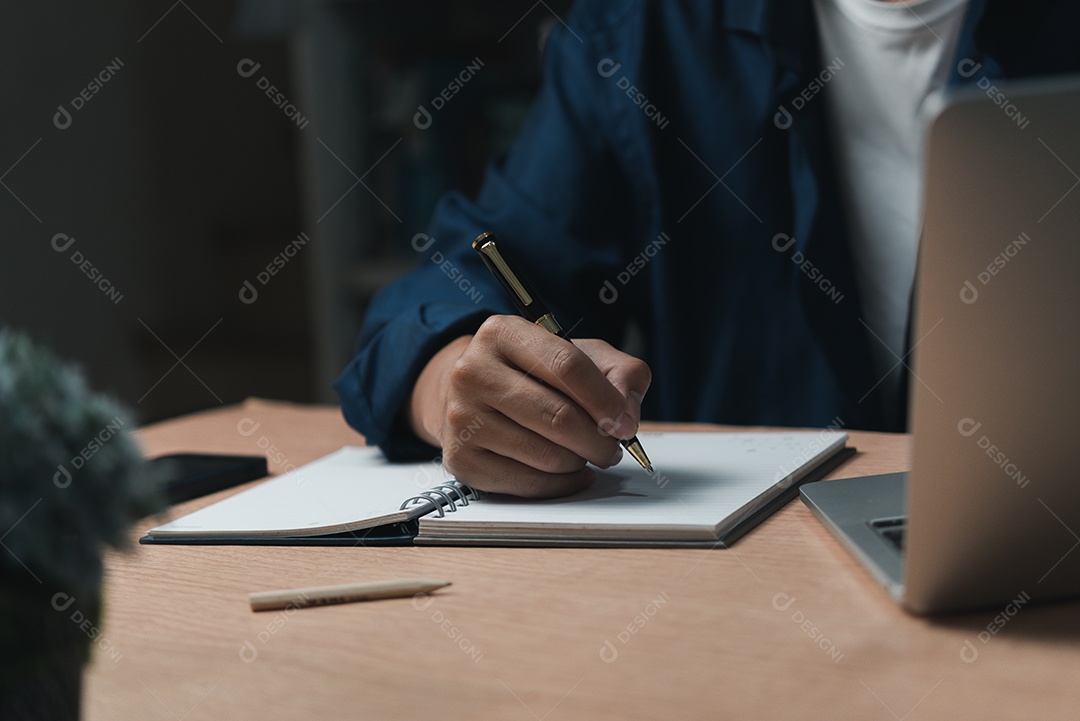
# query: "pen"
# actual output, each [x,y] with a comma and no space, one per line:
[530,306]
[344,593]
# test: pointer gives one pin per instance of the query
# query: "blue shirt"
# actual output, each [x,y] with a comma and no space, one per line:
[675,173]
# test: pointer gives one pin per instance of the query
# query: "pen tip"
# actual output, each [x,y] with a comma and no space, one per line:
[650,469]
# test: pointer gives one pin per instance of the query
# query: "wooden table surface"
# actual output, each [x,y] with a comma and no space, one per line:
[782,625]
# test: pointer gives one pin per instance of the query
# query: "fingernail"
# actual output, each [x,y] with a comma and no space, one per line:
[625,426]
[616,457]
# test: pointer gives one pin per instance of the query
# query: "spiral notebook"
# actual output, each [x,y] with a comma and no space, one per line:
[708,490]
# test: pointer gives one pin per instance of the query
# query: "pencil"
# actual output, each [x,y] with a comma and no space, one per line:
[343,593]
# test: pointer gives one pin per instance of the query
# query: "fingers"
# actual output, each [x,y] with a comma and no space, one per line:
[538,418]
[565,367]
[487,471]
[631,376]
[522,411]
[499,456]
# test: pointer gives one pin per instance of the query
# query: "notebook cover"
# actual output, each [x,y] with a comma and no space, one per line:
[393,534]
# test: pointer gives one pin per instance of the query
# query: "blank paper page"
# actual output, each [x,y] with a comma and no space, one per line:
[704,482]
[350,489]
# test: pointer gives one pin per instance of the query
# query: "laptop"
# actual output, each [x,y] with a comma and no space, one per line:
[989,514]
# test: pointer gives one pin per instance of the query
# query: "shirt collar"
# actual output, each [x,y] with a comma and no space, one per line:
[784,26]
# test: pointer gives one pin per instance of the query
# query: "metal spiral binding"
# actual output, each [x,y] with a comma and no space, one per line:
[462,491]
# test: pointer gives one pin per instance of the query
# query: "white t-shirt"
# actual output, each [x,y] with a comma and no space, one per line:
[895,55]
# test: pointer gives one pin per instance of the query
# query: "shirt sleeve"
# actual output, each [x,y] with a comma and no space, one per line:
[559,204]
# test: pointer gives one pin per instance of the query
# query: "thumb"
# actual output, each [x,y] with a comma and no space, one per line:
[633,385]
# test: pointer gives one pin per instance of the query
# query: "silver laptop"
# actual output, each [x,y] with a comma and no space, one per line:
[990,512]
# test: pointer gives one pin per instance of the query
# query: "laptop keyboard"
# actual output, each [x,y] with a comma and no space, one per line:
[891,529]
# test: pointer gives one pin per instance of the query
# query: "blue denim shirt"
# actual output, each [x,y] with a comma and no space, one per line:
[675,173]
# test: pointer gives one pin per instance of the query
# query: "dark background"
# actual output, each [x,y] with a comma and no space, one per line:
[180,179]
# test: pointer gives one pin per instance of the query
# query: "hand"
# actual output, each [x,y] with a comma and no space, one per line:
[521,411]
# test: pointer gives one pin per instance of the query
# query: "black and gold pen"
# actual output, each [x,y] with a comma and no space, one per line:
[530,306]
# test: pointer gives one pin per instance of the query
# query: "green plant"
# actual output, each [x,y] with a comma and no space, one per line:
[71,482]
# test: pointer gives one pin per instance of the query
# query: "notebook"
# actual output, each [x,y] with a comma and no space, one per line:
[709,489]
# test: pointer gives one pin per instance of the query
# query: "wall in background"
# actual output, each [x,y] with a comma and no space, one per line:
[172,179]
[192,241]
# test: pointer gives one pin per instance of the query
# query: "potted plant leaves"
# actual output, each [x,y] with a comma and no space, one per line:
[71,482]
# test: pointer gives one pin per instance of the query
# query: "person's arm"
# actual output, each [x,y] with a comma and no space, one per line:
[564,207]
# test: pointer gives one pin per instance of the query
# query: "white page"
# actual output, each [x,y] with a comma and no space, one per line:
[702,480]
[335,493]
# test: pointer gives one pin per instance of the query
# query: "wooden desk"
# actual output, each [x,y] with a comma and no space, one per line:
[783,625]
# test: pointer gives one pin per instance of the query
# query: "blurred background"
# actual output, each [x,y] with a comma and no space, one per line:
[197,198]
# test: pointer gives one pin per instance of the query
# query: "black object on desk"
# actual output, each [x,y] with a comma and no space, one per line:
[191,475]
